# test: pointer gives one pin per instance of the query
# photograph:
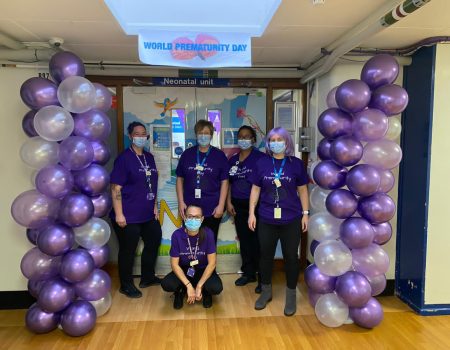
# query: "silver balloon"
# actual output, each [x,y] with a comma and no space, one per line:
[394,129]
[333,258]
[102,305]
[77,94]
[323,226]
[317,198]
[331,311]
[93,234]
[38,153]
[53,123]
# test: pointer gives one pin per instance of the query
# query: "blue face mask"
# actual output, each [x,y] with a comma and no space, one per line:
[277,147]
[139,141]
[245,144]
[193,224]
[204,140]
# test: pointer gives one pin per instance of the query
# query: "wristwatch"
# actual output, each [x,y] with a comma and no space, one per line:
[305,212]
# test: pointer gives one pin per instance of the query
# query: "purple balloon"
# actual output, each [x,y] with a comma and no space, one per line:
[92,180]
[79,318]
[368,316]
[102,204]
[56,240]
[353,95]
[103,98]
[378,284]
[341,203]
[65,64]
[54,181]
[39,92]
[317,281]
[346,150]
[370,261]
[383,233]
[55,295]
[356,233]
[363,180]
[323,149]
[38,321]
[76,210]
[28,124]
[391,99]
[95,286]
[353,288]
[370,125]
[34,210]
[100,255]
[331,98]
[93,125]
[387,180]
[329,175]
[313,246]
[377,208]
[313,298]
[380,70]
[76,153]
[34,286]
[76,265]
[32,235]
[101,152]
[36,265]
[333,123]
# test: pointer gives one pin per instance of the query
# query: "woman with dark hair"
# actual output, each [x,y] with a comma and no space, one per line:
[280,183]
[242,165]
[202,178]
[134,185]
[193,262]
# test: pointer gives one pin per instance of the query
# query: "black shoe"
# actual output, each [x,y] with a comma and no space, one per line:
[258,288]
[207,300]
[152,282]
[178,300]
[130,291]
[243,280]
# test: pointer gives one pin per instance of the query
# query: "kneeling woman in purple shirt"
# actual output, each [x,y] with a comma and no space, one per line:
[280,184]
[193,261]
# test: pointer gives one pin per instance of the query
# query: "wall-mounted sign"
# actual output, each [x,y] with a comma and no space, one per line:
[196,82]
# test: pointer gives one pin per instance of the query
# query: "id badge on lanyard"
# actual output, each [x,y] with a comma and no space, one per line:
[199,167]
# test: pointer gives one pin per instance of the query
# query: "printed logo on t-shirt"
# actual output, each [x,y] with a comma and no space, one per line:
[282,177]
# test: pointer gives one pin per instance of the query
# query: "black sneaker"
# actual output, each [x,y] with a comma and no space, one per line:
[207,300]
[243,280]
[178,300]
[152,282]
[130,291]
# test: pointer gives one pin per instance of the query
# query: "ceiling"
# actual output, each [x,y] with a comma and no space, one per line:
[294,37]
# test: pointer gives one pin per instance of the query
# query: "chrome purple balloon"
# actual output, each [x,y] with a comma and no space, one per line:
[76,210]
[36,265]
[317,281]
[346,150]
[377,208]
[370,124]
[353,288]
[368,316]
[380,70]
[55,295]
[102,204]
[92,180]
[323,149]
[38,92]
[353,95]
[38,321]
[313,246]
[79,318]
[333,123]
[101,255]
[76,265]
[329,175]
[28,124]
[34,286]
[103,99]
[76,153]
[32,235]
[313,297]
[370,261]
[55,240]
[65,64]
[363,180]
[356,233]
[54,181]
[95,286]
[378,284]
[101,152]
[387,180]
[341,203]
[383,233]
[93,125]
[331,98]
[391,99]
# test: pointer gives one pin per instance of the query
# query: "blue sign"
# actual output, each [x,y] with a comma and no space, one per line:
[198,82]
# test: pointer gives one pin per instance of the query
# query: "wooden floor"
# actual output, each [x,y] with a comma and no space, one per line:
[232,323]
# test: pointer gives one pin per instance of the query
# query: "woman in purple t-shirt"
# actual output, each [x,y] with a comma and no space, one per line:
[193,261]
[134,185]
[280,184]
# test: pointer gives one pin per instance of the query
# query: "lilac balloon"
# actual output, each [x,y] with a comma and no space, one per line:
[100,255]
[101,152]
[36,265]
[65,64]
[38,321]
[32,235]
[378,284]
[380,70]
[353,288]
[368,316]
[331,98]
[92,180]
[387,181]
[55,295]
[76,265]
[95,286]
[370,261]
[93,124]
[356,233]
[384,154]
[76,210]
[333,123]
[54,181]
[313,298]
[383,233]
[353,95]
[313,246]
[341,203]
[76,153]
[363,180]
[370,125]
[346,150]
[34,210]
[56,240]
[79,318]
[103,99]
[28,124]
[377,208]
[391,99]
[323,149]
[329,175]
[317,281]
[38,92]
[102,204]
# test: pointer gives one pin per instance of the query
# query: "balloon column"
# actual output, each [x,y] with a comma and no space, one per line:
[350,224]
[67,126]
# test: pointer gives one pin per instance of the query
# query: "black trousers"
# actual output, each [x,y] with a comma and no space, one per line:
[212,223]
[248,240]
[128,238]
[289,236]
[172,283]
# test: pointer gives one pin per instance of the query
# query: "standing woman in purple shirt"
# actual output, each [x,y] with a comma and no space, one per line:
[134,185]
[280,184]
[202,178]
[242,166]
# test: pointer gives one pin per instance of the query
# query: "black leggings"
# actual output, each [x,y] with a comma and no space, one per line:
[212,223]
[128,237]
[289,236]
[213,285]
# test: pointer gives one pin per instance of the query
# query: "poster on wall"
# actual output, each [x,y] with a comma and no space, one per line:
[215,117]
[178,132]
[285,115]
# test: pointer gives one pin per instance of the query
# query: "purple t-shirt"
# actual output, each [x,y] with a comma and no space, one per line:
[214,172]
[138,201]
[240,173]
[293,175]
[180,248]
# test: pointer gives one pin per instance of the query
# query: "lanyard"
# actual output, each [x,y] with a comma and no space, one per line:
[192,256]
[279,172]
[145,167]
[199,172]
